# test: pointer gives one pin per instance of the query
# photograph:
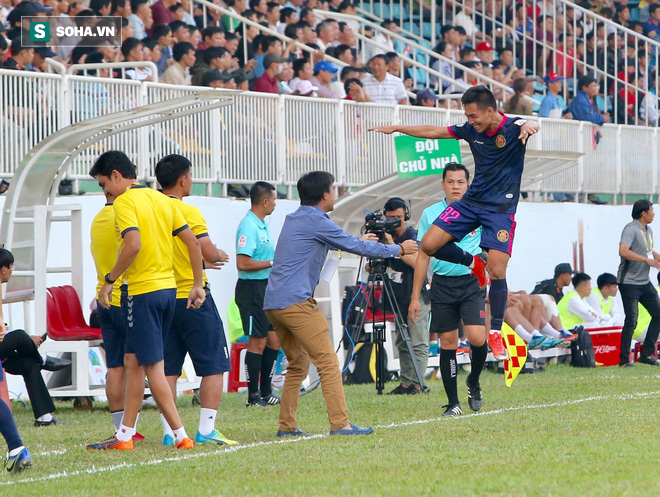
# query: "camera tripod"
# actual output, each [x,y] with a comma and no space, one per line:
[378,335]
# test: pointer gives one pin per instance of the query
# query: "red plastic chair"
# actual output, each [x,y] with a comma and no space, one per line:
[62,322]
[74,305]
[234,381]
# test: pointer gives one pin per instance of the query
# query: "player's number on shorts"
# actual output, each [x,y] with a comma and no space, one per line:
[449,214]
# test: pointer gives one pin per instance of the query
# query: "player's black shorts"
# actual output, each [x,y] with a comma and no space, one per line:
[250,301]
[455,299]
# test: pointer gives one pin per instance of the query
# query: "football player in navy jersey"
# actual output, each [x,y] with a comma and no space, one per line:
[498,145]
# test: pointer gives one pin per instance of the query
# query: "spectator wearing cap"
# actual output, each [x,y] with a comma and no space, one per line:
[426,98]
[582,107]
[550,106]
[40,56]
[141,19]
[241,79]
[20,17]
[213,78]
[20,58]
[554,286]
[323,73]
[382,87]
[305,88]
[267,82]
[184,58]
[486,54]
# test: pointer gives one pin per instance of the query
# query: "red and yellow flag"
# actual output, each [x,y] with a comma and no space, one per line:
[517,350]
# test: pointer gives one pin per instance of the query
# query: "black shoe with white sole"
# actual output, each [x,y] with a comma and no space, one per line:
[474,396]
[272,400]
[452,410]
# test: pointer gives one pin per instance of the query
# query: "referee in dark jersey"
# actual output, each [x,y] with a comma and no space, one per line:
[254,258]
[498,146]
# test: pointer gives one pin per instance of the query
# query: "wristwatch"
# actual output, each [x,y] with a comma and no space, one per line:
[108,280]
[271,263]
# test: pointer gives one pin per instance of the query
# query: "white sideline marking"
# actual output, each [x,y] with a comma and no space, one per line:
[236,448]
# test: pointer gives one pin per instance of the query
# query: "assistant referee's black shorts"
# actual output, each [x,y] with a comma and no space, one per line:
[249,297]
[455,299]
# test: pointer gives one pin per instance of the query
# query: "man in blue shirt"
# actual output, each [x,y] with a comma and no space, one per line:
[302,247]
[582,106]
[254,258]
[498,146]
[455,297]
[550,106]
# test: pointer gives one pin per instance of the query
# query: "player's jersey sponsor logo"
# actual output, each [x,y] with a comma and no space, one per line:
[500,141]
[242,241]
[520,122]
[503,235]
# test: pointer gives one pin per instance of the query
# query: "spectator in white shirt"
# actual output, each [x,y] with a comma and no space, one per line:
[603,301]
[326,35]
[141,19]
[133,51]
[381,41]
[381,86]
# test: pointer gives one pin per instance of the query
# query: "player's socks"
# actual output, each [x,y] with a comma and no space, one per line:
[116,418]
[523,333]
[451,252]
[180,434]
[207,420]
[497,296]
[478,361]
[267,369]
[125,433]
[252,370]
[8,427]
[167,430]
[449,371]
[550,331]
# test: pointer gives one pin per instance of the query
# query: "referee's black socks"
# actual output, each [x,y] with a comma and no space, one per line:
[267,369]
[449,371]
[252,370]
[478,360]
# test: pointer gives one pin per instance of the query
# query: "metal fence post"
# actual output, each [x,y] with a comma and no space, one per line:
[654,161]
[580,169]
[143,134]
[619,165]
[341,143]
[280,145]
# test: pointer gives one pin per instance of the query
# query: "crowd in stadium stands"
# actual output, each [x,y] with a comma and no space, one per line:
[220,51]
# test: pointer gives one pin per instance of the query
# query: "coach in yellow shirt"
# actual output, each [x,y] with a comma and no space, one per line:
[147,222]
[198,332]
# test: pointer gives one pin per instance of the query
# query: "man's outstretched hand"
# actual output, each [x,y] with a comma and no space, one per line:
[388,130]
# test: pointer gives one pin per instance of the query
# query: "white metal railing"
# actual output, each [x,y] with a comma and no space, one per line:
[277,138]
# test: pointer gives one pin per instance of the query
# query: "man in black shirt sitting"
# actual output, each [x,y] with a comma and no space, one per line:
[554,287]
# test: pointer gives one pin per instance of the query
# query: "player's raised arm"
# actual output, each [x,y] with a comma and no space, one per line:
[528,129]
[417,131]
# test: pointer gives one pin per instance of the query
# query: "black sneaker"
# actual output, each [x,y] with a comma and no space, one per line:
[648,359]
[627,365]
[452,410]
[401,390]
[474,396]
[272,400]
[255,400]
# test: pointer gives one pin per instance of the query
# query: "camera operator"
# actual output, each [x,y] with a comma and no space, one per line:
[302,247]
[401,273]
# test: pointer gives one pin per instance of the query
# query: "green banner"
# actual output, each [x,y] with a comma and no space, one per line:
[422,157]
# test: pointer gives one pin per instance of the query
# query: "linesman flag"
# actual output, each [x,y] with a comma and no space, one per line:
[517,350]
